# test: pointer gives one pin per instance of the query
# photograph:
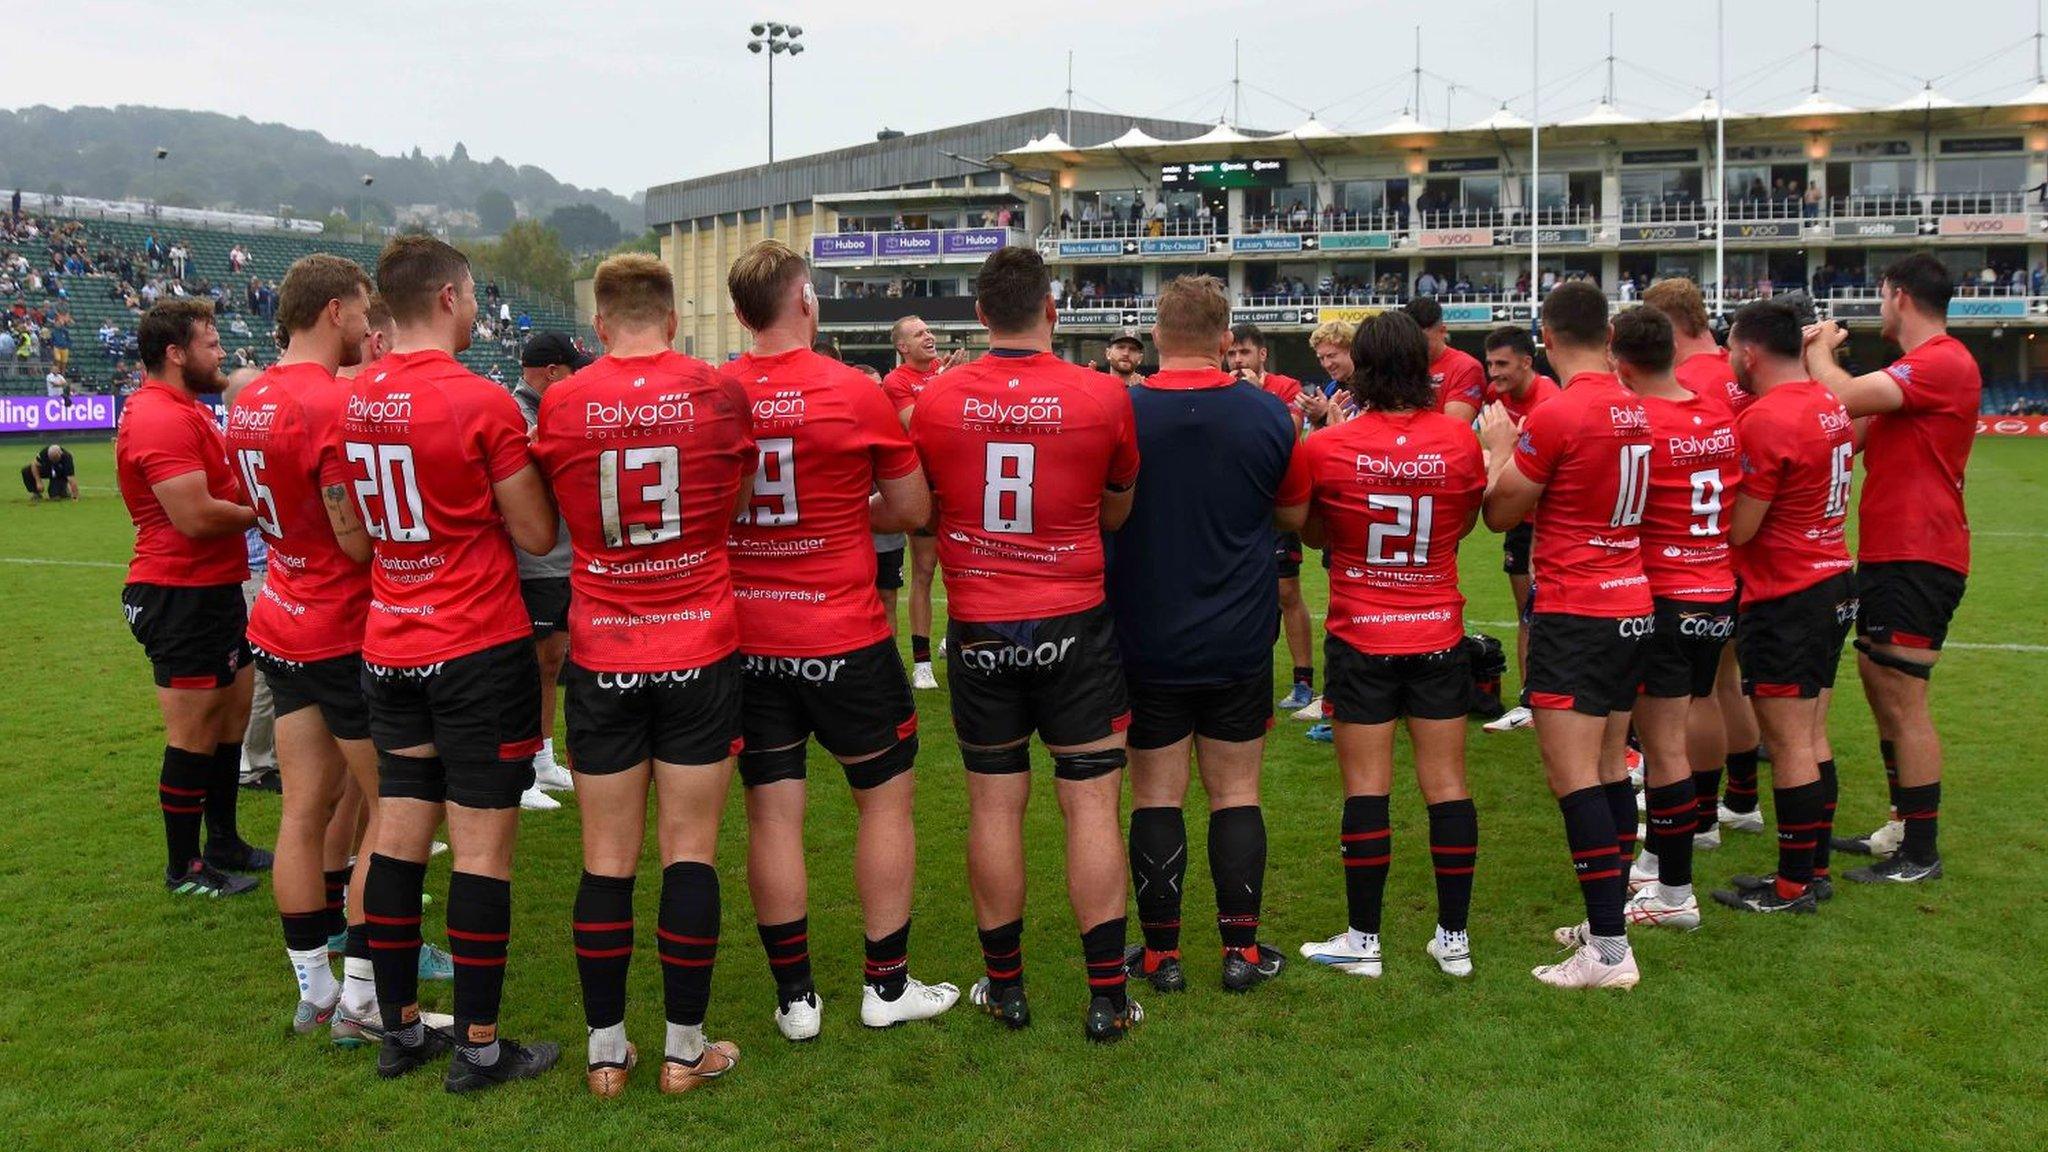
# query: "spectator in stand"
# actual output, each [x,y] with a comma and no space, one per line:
[525,325]
[56,387]
[504,314]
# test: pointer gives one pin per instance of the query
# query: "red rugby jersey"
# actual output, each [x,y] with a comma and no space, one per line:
[1018,450]
[1798,452]
[1395,491]
[315,598]
[420,441]
[164,434]
[1708,374]
[803,555]
[1540,389]
[646,455]
[1590,448]
[1694,472]
[905,384]
[1914,458]
[1287,388]
[1457,375]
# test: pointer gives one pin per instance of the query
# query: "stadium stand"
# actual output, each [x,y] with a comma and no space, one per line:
[109,247]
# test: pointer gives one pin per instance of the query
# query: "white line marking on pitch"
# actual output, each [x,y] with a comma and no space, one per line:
[61,563]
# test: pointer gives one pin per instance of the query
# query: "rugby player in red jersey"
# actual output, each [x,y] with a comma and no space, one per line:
[1702,367]
[648,452]
[1798,595]
[1913,547]
[438,463]
[1030,460]
[819,655]
[1512,380]
[1693,479]
[183,597]
[1392,492]
[1247,359]
[307,626]
[1458,379]
[918,349]
[1581,462]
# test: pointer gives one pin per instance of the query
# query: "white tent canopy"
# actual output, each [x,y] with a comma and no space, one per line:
[1816,103]
[1925,99]
[1602,114]
[1502,120]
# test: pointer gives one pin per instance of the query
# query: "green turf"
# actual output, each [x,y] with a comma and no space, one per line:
[1896,1019]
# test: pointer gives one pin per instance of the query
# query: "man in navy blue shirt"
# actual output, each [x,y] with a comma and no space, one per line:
[1192,582]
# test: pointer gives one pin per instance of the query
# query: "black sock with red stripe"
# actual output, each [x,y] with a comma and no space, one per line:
[601,925]
[920,649]
[1706,791]
[223,791]
[1237,867]
[1454,850]
[1002,954]
[304,931]
[1741,792]
[1305,675]
[1824,836]
[1888,752]
[688,936]
[1673,810]
[789,958]
[1920,808]
[887,968]
[1102,947]
[1159,868]
[1621,808]
[1596,858]
[479,936]
[391,915]
[1367,843]
[181,793]
[335,880]
[1799,812]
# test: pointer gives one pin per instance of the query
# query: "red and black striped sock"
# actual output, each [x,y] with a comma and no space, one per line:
[1366,842]
[1674,808]
[887,966]
[335,881]
[789,958]
[1706,791]
[688,936]
[223,791]
[1159,868]
[1002,954]
[1824,836]
[181,793]
[1799,816]
[1888,751]
[1237,867]
[1102,947]
[1621,808]
[1596,858]
[479,936]
[601,926]
[391,915]
[1741,796]
[1454,851]
[1920,808]
[920,649]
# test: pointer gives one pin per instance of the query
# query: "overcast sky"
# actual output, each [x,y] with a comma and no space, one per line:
[627,94]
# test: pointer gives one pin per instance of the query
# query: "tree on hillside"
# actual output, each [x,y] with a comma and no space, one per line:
[494,210]
[529,253]
[584,227]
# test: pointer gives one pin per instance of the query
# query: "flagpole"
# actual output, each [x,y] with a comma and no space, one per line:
[1720,154]
[1535,159]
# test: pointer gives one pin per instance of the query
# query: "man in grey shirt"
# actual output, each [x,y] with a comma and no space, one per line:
[547,359]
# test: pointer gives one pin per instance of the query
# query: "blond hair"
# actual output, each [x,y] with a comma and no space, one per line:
[635,289]
[1338,332]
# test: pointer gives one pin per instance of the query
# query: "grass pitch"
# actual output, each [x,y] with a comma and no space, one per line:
[1895,1019]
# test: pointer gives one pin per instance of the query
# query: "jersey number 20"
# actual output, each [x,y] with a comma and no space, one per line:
[390,484]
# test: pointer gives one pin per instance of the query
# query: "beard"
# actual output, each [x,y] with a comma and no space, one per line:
[211,383]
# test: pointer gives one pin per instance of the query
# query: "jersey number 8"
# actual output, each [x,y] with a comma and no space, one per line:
[1006,488]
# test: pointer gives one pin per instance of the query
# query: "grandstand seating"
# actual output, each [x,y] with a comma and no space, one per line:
[270,254]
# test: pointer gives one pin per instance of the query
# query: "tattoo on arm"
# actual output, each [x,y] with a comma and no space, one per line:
[336,498]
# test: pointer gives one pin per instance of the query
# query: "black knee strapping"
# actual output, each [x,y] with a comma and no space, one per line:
[996,761]
[1895,663]
[411,777]
[1087,765]
[771,765]
[878,770]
